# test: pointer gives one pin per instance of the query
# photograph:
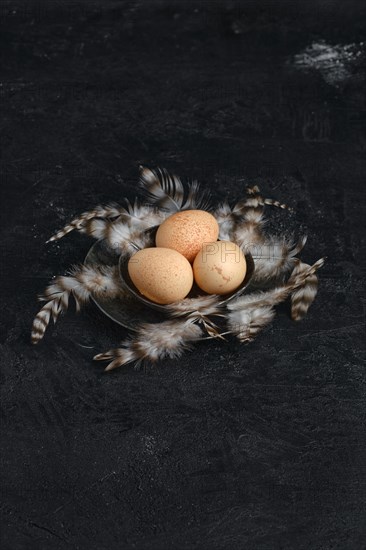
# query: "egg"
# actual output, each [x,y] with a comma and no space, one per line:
[187,231]
[162,275]
[219,267]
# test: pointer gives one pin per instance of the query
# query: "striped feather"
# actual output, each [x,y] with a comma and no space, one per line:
[248,314]
[131,221]
[244,221]
[105,212]
[153,342]
[274,258]
[166,191]
[120,236]
[42,319]
[196,199]
[83,282]
[303,297]
[162,189]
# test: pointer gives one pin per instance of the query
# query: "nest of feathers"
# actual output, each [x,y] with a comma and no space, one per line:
[278,275]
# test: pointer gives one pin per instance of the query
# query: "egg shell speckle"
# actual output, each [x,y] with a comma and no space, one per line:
[161,274]
[187,231]
[219,267]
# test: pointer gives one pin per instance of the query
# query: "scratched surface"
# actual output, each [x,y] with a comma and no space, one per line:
[260,447]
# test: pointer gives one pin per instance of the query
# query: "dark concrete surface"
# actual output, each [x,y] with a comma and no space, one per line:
[260,447]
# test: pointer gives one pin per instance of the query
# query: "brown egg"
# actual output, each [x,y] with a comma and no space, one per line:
[219,267]
[187,231]
[161,274]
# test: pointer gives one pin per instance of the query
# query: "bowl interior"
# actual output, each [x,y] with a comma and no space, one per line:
[195,291]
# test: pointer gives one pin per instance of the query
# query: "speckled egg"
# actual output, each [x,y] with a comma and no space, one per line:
[219,267]
[187,231]
[162,275]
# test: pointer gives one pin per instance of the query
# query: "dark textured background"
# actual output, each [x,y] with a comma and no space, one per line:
[260,447]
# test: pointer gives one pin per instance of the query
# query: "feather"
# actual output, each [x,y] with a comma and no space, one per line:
[129,227]
[163,190]
[97,222]
[303,297]
[299,276]
[242,223]
[247,235]
[246,324]
[253,190]
[278,294]
[202,305]
[247,208]
[106,212]
[166,191]
[227,221]
[199,310]
[123,238]
[42,319]
[82,283]
[271,202]
[194,201]
[277,204]
[250,313]
[154,342]
[260,299]
[274,258]
[141,216]
[211,328]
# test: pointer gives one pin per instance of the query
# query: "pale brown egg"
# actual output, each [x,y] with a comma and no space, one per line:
[219,267]
[187,231]
[161,274]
